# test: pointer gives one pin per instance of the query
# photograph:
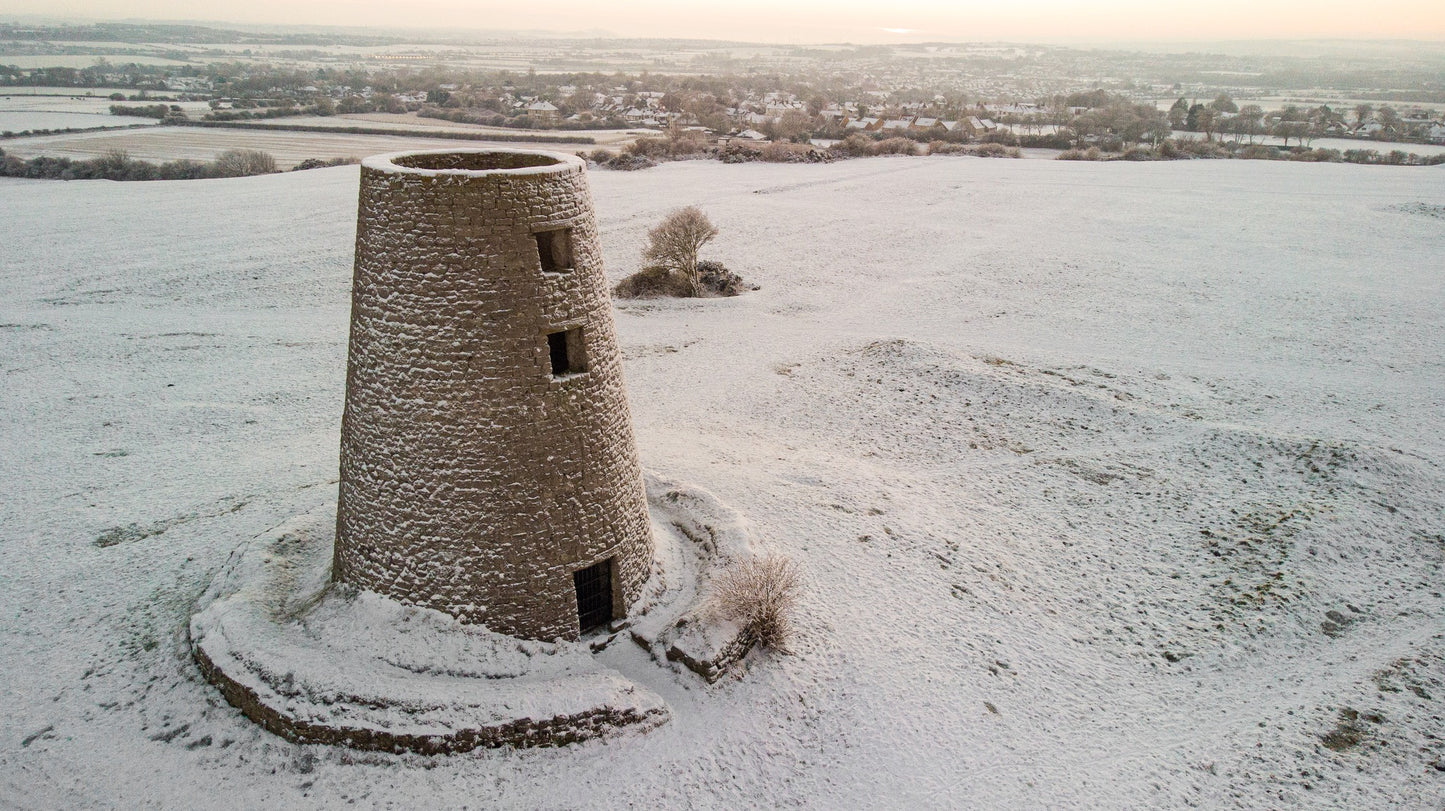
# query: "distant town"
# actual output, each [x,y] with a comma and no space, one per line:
[659,99]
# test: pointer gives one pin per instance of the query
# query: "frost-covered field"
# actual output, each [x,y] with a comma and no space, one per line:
[162,143]
[1341,144]
[1114,484]
[21,111]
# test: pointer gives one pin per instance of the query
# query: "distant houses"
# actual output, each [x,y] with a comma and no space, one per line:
[544,113]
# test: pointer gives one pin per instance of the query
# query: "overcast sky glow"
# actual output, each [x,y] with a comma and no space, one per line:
[816,20]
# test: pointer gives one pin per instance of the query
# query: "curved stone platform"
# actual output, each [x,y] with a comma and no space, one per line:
[318,662]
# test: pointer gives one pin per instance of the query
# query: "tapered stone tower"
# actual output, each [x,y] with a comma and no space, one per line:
[488,466]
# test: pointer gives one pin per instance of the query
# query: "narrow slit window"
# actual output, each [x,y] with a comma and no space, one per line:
[554,250]
[567,352]
[594,595]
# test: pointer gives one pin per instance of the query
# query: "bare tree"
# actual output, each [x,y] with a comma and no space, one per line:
[1251,117]
[675,242]
[1207,120]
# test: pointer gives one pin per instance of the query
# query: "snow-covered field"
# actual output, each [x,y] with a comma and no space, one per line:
[164,143]
[1115,485]
[1342,144]
[20,112]
[22,121]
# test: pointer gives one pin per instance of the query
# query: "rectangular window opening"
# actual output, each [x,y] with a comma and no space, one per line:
[554,250]
[594,595]
[567,352]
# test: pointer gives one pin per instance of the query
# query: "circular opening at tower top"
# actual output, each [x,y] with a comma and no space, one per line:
[478,161]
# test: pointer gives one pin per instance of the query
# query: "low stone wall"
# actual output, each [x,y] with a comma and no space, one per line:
[522,732]
[317,662]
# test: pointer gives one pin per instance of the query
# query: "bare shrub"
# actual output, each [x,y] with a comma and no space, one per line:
[762,593]
[856,145]
[660,282]
[737,152]
[717,280]
[1001,136]
[630,163]
[992,150]
[986,150]
[682,143]
[320,163]
[648,147]
[1318,156]
[653,282]
[1259,152]
[895,146]
[243,162]
[777,152]
[1202,149]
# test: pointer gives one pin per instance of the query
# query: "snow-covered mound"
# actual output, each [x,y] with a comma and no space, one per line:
[329,664]
[1113,484]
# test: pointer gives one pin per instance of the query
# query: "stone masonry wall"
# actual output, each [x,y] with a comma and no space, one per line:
[473,480]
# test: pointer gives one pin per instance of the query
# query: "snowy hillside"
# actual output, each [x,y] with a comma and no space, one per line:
[1113,484]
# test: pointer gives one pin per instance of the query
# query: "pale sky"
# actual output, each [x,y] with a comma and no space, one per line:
[805,21]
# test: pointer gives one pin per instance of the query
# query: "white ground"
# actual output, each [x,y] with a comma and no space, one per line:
[1342,144]
[160,143]
[20,112]
[1076,458]
[411,122]
[22,121]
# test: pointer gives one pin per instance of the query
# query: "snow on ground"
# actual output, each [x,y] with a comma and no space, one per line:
[1114,485]
[167,143]
[411,122]
[1341,144]
[19,113]
[24,111]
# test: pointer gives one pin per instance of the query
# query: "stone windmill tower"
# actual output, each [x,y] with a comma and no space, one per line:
[488,466]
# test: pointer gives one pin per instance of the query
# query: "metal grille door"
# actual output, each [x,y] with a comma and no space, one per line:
[594,595]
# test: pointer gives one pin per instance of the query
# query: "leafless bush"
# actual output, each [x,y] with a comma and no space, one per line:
[779,153]
[1002,137]
[320,163]
[630,163]
[653,282]
[1259,152]
[988,150]
[1139,153]
[244,162]
[993,150]
[717,280]
[856,145]
[682,143]
[648,147]
[762,593]
[895,146]
[1202,149]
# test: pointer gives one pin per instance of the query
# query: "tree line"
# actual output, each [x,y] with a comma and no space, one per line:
[117,165]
